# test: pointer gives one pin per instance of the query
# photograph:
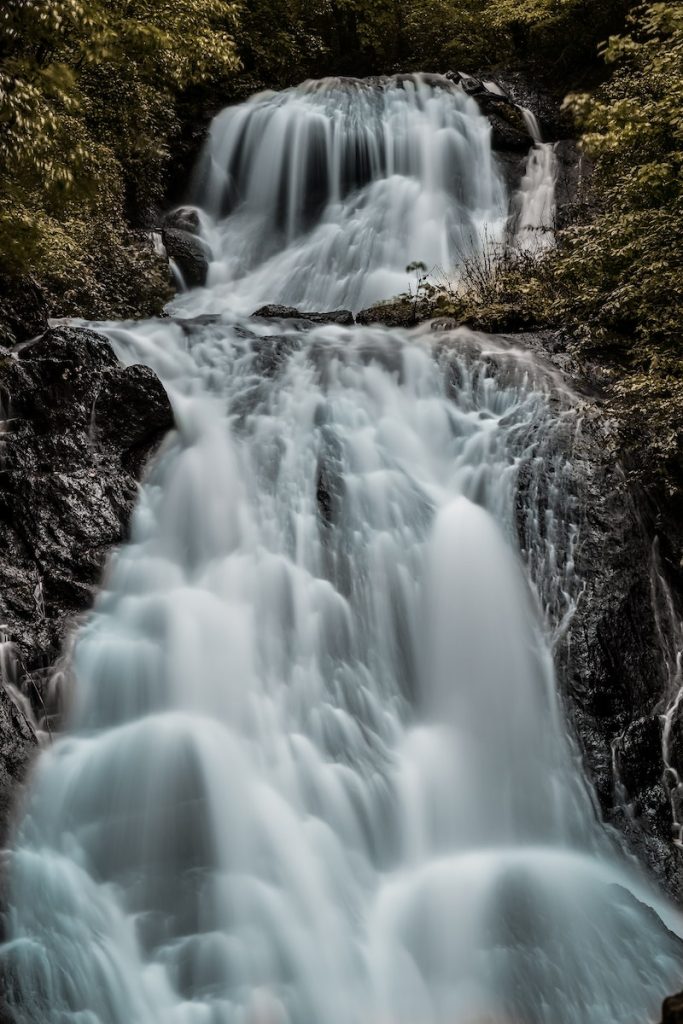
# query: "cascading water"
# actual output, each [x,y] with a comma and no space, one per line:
[316,769]
[323,194]
[535,200]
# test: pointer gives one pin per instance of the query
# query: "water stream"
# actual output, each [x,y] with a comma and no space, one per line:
[316,769]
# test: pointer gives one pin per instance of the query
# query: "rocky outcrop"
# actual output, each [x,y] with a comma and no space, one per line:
[180,235]
[343,317]
[500,97]
[553,118]
[24,310]
[17,746]
[509,131]
[617,660]
[616,666]
[76,428]
[398,312]
[672,1010]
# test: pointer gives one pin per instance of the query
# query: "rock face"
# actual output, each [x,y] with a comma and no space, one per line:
[617,668]
[509,131]
[76,428]
[617,661]
[554,120]
[180,235]
[500,98]
[17,745]
[23,314]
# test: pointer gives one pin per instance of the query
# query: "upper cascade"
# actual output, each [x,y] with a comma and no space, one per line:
[322,194]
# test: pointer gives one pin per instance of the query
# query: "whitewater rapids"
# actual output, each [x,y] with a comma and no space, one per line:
[316,770]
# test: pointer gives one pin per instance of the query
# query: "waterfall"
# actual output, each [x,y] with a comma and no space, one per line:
[316,768]
[535,201]
[320,196]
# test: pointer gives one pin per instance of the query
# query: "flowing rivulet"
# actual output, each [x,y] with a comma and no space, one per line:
[316,769]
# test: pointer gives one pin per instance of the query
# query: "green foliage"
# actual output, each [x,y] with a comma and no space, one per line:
[87,107]
[625,267]
[284,41]
[280,43]
[554,37]
[617,277]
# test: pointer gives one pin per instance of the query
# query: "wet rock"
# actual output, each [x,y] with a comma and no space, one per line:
[512,165]
[190,253]
[343,317]
[271,352]
[672,1009]
[574,170]
[23,310]
[119,418]
[507,134]
[614,662]
[554,120]
[17,745]
[77,429]
[676,739]
[638,753]
[396,313]
[278,313]
[509,130]
[185,218]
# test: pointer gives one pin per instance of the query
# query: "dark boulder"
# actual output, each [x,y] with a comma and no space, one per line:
[77,429]
[185,218]
[512,165]
[672,1009]
[398,312]
[181,237]
[343,317]
[509,129]
[278,313]
[554,119]
[507,133]
[191,254]
[120,418]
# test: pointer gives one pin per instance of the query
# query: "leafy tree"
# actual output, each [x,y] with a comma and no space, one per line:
[621,273]
[87,107]
[625,267]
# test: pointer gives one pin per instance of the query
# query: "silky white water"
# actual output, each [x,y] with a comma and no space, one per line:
[316,769]
[535,201]
[320,196]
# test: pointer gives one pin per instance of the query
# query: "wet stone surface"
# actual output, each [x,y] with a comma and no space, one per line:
[76,430]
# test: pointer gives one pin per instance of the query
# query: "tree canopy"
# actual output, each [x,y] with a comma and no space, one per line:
[87,109]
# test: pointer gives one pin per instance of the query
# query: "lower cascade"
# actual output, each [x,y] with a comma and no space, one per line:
[316,768]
